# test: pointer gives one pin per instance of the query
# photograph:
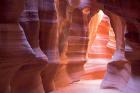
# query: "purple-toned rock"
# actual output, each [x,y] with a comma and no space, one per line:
[129,11]
[16,55]
[48,40]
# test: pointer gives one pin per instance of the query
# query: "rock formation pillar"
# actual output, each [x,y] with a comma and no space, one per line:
[77,45]
[132,54]
[128,10]
[16,53]
[8,26]
[48,36]
[73,36]
[29,20]
[118,68]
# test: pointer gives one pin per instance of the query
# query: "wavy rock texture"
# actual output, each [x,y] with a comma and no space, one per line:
[72,38]
[129,12]
[39,23]
[42,41]
[17,54]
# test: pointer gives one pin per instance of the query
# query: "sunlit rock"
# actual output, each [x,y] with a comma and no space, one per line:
[129,12]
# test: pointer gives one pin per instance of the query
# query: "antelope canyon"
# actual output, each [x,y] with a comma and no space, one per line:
[69,46]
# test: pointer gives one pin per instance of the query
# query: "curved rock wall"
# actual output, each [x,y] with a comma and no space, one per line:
[17,57]
[128,10]
[43,40]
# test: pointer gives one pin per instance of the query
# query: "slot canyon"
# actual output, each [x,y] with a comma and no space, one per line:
[69,46]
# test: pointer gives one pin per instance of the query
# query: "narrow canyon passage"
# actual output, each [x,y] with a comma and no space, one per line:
[69,46]
[100,50]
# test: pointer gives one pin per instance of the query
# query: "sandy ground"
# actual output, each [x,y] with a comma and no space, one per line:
[85,86]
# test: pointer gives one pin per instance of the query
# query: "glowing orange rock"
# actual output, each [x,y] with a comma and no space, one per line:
[99,37]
